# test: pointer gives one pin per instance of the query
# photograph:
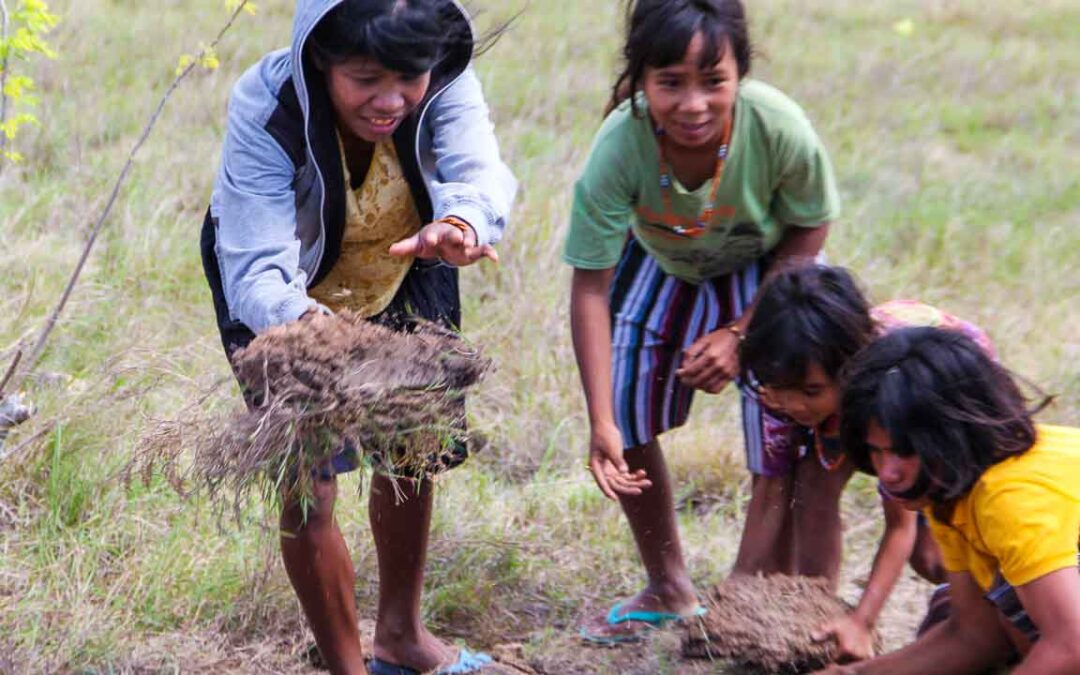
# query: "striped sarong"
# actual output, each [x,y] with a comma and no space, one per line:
[654,318]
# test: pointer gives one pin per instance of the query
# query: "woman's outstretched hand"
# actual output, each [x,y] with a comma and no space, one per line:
[608,467]
[451,244]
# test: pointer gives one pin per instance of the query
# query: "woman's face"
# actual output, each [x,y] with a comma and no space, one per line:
[895,473]
[371,101]
[813,401]
[690,103]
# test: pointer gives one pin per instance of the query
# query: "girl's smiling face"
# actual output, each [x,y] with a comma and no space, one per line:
[690,102]
[369,100]
[811,402]
[897,474]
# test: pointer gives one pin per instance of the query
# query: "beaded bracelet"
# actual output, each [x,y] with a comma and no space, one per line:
[460,224]
[739,334]
[456,222]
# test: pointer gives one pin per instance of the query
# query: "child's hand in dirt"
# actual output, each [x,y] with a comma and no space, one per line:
[609,468]
[711,362]
[854,641]
[451,244]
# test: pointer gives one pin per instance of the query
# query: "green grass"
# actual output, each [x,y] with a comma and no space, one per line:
[957,153]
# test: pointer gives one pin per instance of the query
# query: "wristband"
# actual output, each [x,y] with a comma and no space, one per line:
[460,224]
[456,222]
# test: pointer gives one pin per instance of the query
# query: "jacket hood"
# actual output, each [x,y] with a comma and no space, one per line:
[308,15]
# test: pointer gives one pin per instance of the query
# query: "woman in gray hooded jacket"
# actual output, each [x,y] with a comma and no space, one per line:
[359,170]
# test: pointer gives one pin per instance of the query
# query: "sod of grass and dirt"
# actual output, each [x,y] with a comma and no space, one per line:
[954,127]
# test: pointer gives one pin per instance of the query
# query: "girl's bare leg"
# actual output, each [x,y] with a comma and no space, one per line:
[819,533]
[656,532]
[768,542]
[321,571]
[401,532]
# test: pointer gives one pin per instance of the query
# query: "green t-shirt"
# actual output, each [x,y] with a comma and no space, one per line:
[777,174]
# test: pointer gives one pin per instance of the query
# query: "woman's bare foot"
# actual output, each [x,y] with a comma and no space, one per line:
[423,652]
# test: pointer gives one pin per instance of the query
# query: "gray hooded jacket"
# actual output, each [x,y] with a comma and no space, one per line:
[277,213]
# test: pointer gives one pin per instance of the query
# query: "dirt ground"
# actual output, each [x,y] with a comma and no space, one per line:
[378,362]
[555,650]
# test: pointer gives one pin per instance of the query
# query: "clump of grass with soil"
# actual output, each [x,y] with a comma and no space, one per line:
[316,388]
[763,624]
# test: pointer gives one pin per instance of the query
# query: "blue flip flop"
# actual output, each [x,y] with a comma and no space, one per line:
[467,662]
[651,620]
[376,666]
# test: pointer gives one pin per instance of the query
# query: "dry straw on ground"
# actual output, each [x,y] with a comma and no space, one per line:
[763,624]
[316,386]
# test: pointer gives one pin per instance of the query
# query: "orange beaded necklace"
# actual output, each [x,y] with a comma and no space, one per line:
[700,224]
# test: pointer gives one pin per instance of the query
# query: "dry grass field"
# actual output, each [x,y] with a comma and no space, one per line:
[957,146]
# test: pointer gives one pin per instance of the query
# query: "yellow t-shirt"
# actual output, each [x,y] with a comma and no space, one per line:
[1022,517]
[379,213]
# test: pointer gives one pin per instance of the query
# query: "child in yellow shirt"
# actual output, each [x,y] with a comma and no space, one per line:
[947,431]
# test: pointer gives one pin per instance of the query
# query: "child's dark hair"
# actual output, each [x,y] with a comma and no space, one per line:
[407,36]
[941,397]
[659,33]
[805,315]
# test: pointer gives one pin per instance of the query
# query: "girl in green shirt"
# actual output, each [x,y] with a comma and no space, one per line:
[700,183]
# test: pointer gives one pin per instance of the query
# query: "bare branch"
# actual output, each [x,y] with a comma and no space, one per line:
[50,322]
[11,368]
[8,453]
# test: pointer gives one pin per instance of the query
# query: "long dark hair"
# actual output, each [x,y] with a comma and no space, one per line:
[659,33]
[941,397]
[804,315]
